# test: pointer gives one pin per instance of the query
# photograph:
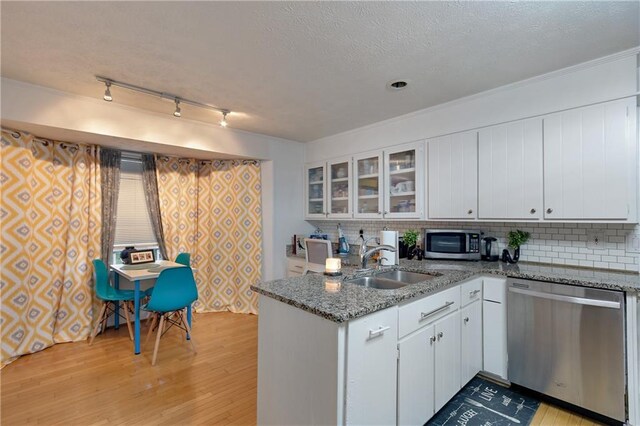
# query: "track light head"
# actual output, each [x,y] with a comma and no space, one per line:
[223,122]
[177,112]
[107,92]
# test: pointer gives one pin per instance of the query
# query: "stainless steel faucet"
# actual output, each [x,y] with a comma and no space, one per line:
[364,257]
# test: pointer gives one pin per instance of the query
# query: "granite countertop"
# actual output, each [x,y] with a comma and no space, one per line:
[323,296]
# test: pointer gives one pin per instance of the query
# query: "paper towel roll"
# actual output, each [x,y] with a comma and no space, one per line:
[389,238]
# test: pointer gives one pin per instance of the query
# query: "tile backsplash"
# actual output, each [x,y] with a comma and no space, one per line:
[555,243]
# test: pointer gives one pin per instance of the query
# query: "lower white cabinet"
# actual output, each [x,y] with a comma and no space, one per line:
[371,374]
[428,370]
[470,341]
[494,326]
[295,267]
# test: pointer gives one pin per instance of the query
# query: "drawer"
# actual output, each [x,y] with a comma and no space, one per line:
[470,291]
[417,314]
[494,289]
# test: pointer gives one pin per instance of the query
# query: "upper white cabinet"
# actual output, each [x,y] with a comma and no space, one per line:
[404,182]
[339,195]
[453,176]
[314,190]
[328,189]
[590,162]
[510,171]
[368,183]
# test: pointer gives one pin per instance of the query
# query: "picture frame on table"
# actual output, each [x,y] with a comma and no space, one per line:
[142,256]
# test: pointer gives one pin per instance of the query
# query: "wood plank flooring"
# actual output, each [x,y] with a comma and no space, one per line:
[77,384]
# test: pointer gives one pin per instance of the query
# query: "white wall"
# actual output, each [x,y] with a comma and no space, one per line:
[57,115]
[588,83]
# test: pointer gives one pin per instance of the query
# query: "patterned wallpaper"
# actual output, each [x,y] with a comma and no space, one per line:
[555,243]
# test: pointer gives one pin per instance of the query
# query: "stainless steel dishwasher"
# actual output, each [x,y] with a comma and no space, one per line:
[568,342]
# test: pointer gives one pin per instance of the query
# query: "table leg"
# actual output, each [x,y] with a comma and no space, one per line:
[189,320]
[136,308]
[116,318]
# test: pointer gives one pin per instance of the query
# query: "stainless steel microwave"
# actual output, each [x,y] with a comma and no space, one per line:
[452,244]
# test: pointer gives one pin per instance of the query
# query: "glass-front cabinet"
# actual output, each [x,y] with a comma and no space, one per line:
[339,195]
[404,179]
[368,183]
[315,190]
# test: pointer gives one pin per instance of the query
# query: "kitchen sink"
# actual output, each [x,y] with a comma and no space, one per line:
[407,277]
[376,282]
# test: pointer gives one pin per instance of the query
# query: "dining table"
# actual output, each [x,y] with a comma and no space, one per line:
[136,274]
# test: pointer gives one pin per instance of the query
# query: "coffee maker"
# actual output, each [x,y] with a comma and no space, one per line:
[489,249]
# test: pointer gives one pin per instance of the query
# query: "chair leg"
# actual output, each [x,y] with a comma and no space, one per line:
[126,315]
[155,350]
[154,319]
[186,326]
[97,327]
[104,324]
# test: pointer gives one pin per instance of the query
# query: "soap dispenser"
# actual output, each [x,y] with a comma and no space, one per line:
[343,245]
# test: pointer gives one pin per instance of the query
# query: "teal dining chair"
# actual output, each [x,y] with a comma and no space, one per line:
[181,258]
[109,296]
[174,292]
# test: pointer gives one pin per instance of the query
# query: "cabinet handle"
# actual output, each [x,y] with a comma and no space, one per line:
[532,211]
[549,210]
[440,335]
[470,211]
[379,212]
[432,340]
[473,293]
[386,212]
[425,315]
[379,332]
[466,320]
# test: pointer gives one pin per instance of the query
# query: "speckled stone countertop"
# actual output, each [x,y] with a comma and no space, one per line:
[340,301]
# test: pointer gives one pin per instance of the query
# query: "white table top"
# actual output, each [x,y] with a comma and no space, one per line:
[143,274]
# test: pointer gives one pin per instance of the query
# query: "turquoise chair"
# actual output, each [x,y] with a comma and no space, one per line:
[174,292]
[109,297]
[181,258]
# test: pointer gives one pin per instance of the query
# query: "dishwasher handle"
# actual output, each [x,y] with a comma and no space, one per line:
[568,299]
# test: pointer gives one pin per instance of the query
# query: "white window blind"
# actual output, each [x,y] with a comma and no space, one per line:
[133,225]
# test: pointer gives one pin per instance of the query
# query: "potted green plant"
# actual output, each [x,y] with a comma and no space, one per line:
[410,239]
[515,239]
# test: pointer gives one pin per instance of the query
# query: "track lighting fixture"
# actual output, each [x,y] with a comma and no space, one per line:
[176,99]
[177,112]
[107,92]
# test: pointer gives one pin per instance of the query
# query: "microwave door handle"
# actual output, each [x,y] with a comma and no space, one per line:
[468,241]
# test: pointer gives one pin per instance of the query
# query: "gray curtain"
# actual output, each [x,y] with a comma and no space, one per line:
[110,182]
[150,183]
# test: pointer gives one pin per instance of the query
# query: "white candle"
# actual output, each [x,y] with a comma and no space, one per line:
[332,265]
[332,285]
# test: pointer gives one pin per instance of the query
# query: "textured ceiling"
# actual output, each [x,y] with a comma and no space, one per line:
[304,70]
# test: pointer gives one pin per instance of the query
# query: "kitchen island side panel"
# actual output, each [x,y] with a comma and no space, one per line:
[300,366]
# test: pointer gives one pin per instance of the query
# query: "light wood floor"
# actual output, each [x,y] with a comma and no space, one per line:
[75,384]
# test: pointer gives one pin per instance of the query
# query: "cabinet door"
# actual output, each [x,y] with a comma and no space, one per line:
[368,183]
[471,341]
[339,193]
[416,378]
[447,359]
[314,184]
[590,162]
[494,345]
[510,171]
[453,176]
[404,182]
[372,368]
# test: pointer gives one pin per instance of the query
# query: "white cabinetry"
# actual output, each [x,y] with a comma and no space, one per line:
[371,373]
[368,183]
[510,171]
[453,176]
[328,189]
[447,365]
[295,267]
[404,182]
[591,162]
[471,341]
[315,190]
[416,377]
[494,326]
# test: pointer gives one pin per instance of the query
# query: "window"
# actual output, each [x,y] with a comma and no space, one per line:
[133,224]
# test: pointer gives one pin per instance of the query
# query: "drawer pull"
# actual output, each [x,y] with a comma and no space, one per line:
[298,267]
[378,332]
[472,293]
[425,315]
